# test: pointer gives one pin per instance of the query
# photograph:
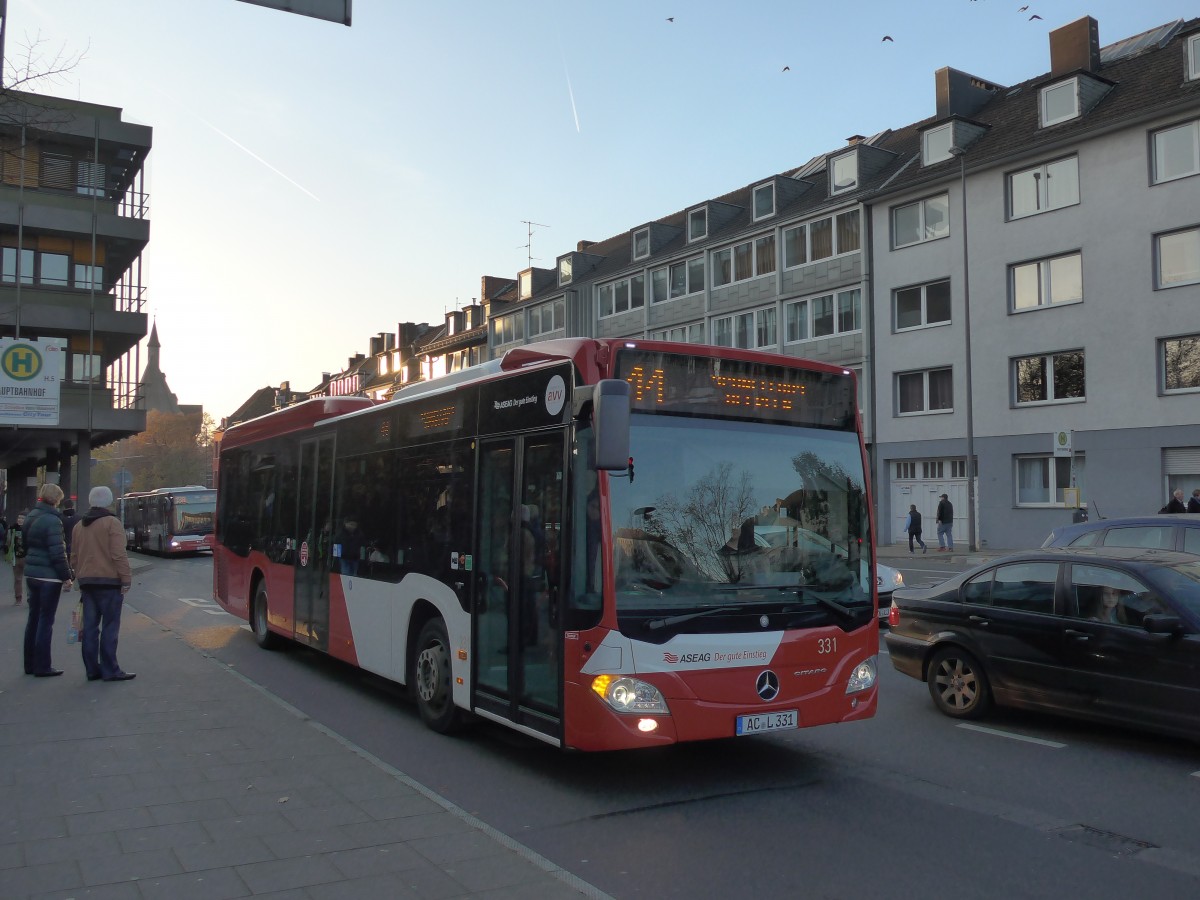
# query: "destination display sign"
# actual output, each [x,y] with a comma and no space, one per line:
[679,384]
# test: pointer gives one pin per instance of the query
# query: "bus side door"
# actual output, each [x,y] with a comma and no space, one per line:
[315,529]
[518,634]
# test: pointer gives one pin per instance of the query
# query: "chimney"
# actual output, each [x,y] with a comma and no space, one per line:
[855,139]
[491,285]
[960,94]
[1075,46]
[583,245]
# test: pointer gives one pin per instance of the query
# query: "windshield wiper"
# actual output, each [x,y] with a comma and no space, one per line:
[803,591]
[655,624]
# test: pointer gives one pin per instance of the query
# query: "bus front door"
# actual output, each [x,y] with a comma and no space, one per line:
[518,636]
[315,528]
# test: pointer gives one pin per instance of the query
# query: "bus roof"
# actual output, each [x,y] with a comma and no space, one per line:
[291,418]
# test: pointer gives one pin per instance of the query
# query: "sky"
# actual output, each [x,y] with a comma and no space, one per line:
[312,185]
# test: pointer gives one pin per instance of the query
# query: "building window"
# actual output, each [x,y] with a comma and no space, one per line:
[677,280]
[925,220]
[936,144]
[1041,478]
[564,270]
[698,224]
[546,318]
[958,467]
[933,468]
[749,330]
[690,334]
[1193,56]
[749,259]
[1060,102]
[843,173]
[824,316]
[821,239]
[923,304]
[1178,258]
[764,201]
[525,285]
[923,392]
[1048,379]
[1046,282]
[87,277]
[1043,188]
[1177,152]
[621,296]
[1180,361]
[507,329]
[641,243]
[906,470]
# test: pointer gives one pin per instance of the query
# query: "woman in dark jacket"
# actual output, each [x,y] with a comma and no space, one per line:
[46,573]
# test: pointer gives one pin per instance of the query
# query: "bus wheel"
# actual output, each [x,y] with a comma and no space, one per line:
[267,639]
[431,678]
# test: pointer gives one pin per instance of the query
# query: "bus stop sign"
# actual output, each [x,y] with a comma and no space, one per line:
[304,553]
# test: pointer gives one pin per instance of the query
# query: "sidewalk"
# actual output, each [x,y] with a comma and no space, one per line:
[888,553]
[191,782]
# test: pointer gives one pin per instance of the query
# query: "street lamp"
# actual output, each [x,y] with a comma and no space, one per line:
[961,153]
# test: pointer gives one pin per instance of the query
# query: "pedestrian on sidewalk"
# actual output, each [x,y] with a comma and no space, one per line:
[47,572]
[102,567]
[945,524]
[14,552]
[913,527]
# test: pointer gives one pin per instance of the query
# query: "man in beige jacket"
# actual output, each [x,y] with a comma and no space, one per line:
[102,571]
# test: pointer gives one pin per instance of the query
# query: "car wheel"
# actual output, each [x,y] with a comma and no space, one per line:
[432,678]
[957,684]
[267,639]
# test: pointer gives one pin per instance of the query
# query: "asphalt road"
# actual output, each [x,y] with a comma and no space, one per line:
[908,804]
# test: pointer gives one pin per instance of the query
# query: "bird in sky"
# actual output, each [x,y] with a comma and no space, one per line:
[670,18]
[1022,9]
[887,37]
[787,68]
[1034,16]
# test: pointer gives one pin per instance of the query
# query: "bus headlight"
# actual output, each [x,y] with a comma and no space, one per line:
[629,695]
[862,677]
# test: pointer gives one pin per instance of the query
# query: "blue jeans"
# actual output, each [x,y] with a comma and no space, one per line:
[39,627]
[945,534]
[101,622]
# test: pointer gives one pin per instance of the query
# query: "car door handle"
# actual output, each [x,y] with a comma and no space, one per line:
[1079,636]
[979,620]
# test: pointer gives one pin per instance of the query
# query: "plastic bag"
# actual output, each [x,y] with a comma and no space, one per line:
[76,623]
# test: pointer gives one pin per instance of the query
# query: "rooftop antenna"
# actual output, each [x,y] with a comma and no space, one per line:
[529,226]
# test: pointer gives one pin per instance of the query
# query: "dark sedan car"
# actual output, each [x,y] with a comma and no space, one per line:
[1109,634]
[1162,532]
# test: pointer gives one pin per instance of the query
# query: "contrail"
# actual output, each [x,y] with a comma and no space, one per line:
[571,93]
[244,148]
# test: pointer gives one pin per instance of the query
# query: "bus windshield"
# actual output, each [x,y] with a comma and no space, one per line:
[193,514]
[737,526]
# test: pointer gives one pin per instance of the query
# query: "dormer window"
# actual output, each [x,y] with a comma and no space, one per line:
[1193,57]
[764,201]
[936,144]
[564,270]
[641,243]
[525,285]
[698,224]
[843,173]
[1060,102]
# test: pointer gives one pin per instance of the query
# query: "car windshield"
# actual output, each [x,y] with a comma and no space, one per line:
[732,527]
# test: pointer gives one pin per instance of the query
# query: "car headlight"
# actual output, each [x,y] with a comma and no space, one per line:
[629,695]
[862,678]
[890,582]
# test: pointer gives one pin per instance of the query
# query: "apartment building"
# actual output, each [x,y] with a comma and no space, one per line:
[73,225]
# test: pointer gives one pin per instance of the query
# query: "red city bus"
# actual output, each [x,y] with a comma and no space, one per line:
[602,544]
[169,520]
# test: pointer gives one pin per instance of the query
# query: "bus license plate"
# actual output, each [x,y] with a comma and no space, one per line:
[773,721]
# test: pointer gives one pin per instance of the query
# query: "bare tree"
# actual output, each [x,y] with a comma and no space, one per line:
[707,518]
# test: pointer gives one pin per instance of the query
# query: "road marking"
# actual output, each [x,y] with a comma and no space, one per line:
[1008,734]
[207,606]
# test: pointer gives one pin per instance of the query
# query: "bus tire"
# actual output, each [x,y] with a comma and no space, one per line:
[432,681]
[266,638]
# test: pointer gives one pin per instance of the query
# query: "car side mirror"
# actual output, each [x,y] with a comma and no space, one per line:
[1162,623]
